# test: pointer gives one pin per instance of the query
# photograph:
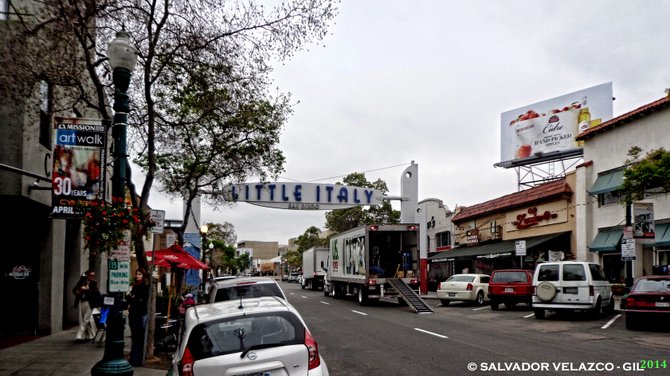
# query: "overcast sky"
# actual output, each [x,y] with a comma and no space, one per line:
[426,81]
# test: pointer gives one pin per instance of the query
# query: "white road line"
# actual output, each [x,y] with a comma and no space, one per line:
[359,312]
[611,322]
[527,316]
[431,333]
[322,302]
[304,297]
[480,308]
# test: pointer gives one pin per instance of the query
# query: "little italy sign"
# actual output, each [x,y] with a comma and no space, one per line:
[303,196]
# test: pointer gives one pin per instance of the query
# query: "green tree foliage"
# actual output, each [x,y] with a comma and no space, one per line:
[344,219]
[293,259]
[643,176]
[311,238]
[202,111]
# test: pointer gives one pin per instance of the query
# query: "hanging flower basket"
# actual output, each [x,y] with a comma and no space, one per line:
[104,223]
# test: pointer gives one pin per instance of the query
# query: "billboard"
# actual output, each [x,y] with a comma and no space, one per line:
[78,160]
[550,127]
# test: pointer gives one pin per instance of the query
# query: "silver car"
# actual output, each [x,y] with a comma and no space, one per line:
[257,336]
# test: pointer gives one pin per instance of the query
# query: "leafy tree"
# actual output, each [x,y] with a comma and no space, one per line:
[222,233]
[293,259]
[311,238]
[201,113]
[344,219]
[650,174]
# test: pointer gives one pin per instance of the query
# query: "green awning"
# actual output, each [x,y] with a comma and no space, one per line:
[606,241]
[662,234]
[492,249]
[607,183]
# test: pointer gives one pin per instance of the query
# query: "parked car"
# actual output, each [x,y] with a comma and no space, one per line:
[244,287]
[571,286]
[464,287]
[259,336]
[293,277]
[648,301]
[510,287]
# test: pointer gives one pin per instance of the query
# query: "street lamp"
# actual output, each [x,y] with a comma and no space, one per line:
[122,56]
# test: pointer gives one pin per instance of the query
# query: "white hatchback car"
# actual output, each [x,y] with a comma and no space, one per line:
[257,336]
[571,286]
[464,287]
[244,287]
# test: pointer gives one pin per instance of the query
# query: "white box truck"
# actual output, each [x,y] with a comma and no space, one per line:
[314,260]
[375,262]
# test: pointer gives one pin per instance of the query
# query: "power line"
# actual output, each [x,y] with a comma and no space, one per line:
[340,176]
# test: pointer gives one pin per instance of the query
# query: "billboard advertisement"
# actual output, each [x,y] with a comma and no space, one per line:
[78,157]
[550,127]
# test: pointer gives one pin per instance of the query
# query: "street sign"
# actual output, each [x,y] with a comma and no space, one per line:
[520,247]
[627,249]
[118,265]
[158,217]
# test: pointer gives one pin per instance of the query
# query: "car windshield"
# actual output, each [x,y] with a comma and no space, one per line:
[461,278]
[510,277]
[653,285]
[248,291]
[233,335]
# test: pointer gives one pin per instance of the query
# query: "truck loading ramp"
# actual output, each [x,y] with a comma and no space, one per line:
[409,296]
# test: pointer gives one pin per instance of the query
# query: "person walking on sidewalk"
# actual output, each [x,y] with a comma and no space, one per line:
[137,316]
[87,297]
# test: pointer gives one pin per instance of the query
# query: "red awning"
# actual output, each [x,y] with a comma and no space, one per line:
[176,256]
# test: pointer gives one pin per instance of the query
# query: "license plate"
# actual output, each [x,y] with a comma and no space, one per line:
[662,304]
[452,294]
[509,289]
[371,287]
[266,373]
[570,290]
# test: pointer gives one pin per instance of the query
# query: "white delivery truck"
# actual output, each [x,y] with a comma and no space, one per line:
[375,262]
[313,263]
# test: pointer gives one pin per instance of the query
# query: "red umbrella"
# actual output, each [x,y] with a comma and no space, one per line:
[175,256]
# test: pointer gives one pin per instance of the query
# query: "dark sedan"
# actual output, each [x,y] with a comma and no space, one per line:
[648,301]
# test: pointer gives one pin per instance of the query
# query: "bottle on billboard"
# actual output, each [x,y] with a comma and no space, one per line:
[583,120]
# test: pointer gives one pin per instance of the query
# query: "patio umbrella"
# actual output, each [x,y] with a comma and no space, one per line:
[176,257]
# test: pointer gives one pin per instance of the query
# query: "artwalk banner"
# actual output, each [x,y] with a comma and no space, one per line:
[643,222]
[78,160]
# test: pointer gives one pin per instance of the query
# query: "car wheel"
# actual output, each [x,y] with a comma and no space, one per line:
[445,302]
[597,311]
[546,291]
[631,322]
[479,300]
[539,313]
[362,297]
[495,306]
[610,306]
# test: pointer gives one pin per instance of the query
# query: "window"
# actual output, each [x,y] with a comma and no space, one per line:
[609,198]
[443,239]
[45,113]
[574,273]
[597,272]
[548,273]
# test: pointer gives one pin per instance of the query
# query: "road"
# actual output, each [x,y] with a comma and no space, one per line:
[388,339]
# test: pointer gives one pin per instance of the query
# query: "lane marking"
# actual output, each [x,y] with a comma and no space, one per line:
[611,322]
[359,312]
[480,308]
[431,333]
[322,302]
[304,297]
[530,315]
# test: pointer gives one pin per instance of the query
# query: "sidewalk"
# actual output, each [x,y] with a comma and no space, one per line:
[58,355]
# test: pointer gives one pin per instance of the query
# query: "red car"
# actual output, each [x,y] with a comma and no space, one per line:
[648,299]
[510,287]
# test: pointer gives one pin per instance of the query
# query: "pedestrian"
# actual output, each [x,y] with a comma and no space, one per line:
[87,297]
[137,316]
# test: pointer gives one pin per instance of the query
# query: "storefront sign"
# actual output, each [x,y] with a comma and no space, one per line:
[532,218]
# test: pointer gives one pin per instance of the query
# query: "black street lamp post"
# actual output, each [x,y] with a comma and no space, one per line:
[122,56]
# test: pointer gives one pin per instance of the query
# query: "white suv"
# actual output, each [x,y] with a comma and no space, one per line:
[255,336]
[572,286]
